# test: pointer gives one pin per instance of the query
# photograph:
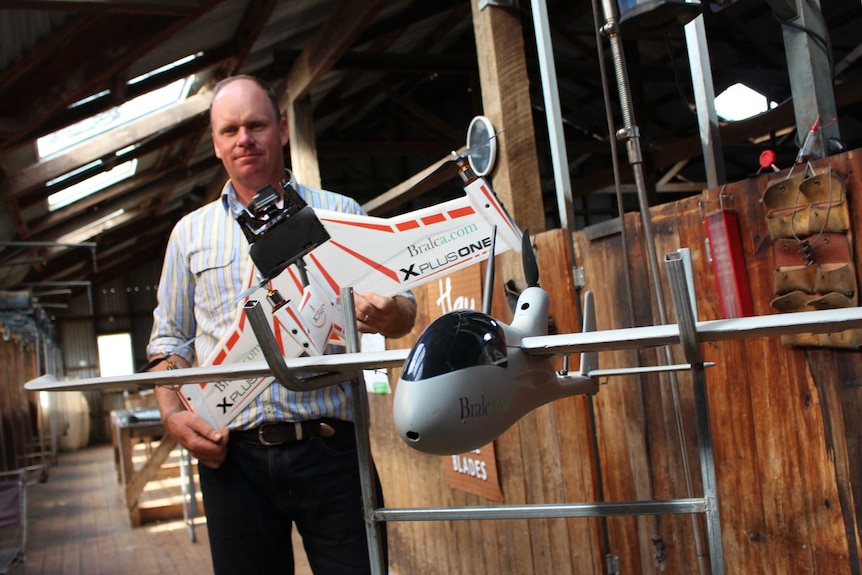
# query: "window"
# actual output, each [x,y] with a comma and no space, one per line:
[65,138]
[90,186]
[739,102]
[95,228]
[115,354]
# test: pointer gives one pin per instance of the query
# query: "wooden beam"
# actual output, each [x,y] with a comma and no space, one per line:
[427,179]
[107,45]
[140,186]
[161,7]
[333,39]
[387,149]
[422,116]
[211,59]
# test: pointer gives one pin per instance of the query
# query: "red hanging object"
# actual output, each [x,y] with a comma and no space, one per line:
[728,262]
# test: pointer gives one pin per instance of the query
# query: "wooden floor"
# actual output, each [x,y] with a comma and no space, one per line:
[78,524]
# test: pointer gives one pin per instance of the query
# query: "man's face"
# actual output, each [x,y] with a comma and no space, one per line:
[248,137]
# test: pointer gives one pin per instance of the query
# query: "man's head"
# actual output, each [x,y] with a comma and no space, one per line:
[248,134]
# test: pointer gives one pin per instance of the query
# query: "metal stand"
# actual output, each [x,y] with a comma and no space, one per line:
[190,499]
[686,320]
[363,441]
[707,505]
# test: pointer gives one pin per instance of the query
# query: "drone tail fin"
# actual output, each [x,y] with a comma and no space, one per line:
[589,359]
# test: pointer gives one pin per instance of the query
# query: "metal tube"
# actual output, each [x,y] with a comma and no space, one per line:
[539,511]
[363,440]
[559,158]
[271,351]
[631,134]
[691,347]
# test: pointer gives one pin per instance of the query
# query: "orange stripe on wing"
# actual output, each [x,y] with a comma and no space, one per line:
[379,267]
[367,225]
[404,226]
[433,219]
[493,200]
[329,279]
[461,212]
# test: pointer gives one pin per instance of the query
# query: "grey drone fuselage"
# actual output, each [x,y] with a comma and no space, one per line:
[467,380]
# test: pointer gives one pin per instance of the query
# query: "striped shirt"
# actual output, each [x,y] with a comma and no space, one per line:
[202,278]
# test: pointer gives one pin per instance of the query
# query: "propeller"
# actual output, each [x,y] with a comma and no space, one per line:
[528,257]
[476,147]
[443,172]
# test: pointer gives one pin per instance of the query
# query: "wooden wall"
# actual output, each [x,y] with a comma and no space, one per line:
[786,425]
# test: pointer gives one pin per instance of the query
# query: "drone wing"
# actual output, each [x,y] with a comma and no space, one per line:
[821,321]
[390,255]
[340,367]
[344,366]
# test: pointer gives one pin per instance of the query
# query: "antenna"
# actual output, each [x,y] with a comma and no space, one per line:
[488,292]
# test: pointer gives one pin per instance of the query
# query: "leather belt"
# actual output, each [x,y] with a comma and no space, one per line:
[271,434]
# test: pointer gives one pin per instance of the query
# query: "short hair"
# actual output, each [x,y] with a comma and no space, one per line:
[267,89]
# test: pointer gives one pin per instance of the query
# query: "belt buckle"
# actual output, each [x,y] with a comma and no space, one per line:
[263,441]
[326,430]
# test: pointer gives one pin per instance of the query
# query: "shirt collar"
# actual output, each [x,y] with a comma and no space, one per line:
[229,199]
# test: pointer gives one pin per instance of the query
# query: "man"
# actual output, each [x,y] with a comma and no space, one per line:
[254,491]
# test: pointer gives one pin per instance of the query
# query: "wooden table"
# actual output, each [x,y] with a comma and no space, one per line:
[130,427]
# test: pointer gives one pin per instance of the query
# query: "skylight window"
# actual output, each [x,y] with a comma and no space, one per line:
[135,108]
[90,186]
[99,226]
[166,67]
[739,102]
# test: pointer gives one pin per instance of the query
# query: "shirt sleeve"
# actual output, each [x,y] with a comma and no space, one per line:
[173,318]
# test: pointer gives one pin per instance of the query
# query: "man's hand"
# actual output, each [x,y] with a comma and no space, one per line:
[390,316]
[208,445]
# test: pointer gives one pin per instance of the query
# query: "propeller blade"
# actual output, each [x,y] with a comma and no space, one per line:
[476,147]
[531,267]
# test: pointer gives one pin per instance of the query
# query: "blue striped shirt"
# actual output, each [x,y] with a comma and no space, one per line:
[202,278]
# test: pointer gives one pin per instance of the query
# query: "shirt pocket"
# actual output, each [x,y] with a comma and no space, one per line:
[217,276]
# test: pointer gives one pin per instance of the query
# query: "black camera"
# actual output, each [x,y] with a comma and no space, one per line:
[280,236]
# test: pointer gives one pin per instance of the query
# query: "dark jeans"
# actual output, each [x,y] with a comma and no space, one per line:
[258,492]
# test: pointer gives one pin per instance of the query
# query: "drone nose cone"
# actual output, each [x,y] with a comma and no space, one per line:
[453,413]
[409,415]
[453,395]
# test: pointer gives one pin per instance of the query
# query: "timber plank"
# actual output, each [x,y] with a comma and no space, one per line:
[671,420]
[575,479]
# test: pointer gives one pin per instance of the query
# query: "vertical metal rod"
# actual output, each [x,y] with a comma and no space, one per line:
[704,99]
[685,257]
[363,439]
[548,71]
[627,268]
[688,337]
[631,134]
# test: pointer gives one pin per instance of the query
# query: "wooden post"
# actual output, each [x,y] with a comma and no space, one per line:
[506,102]
[303,147]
